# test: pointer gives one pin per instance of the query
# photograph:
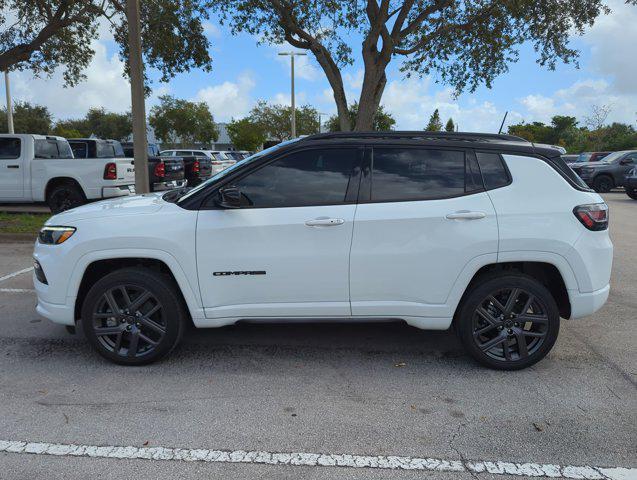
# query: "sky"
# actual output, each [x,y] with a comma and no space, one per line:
[244,73]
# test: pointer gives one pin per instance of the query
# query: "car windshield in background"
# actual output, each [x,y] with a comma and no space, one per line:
[234,167]
[613,156]
[584,157]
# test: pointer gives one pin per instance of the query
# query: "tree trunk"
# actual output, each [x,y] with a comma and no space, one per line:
[374,83]
[333,75]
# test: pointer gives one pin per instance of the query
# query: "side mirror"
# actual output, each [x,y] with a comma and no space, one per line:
[229,197]
[626,161]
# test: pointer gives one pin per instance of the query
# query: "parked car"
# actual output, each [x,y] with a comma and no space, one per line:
[434,230]
[163,174]
[591,156]
[570,157]
[630,184]
[38,168]
[217,162]
[609,172]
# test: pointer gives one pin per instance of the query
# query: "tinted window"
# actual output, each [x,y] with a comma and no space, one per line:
[105,150]
[9,148]
[314,177]
[80,149]
[46,149]
[166,154]
[183,152]
[493,170]
[416,174]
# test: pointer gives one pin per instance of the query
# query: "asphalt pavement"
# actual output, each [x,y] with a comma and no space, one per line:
[360,401]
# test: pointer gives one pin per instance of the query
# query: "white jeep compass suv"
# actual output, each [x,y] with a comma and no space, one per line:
[490,234]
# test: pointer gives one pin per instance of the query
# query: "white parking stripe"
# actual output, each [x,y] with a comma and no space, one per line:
[319,460]
[16,290]
[15,274]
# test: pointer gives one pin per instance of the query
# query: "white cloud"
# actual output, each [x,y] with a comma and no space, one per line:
[211,30]
[104,87]
[300,98]
[229,99]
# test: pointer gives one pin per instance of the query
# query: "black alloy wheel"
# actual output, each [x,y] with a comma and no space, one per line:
[508,321]
[64,197]
[133,316]
[632,193]
[603,184]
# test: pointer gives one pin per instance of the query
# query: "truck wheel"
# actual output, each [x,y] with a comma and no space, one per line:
[133,316]
[64,197]
[632,193]
[603,184]
[508,321]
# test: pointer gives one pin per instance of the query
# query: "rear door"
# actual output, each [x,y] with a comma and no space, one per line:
[286,252]
[12,167]
[423,217]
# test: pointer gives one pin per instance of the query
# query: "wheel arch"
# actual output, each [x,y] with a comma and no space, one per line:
[56,181]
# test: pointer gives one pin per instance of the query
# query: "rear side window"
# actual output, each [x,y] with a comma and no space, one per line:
[310,177]
[51,148]
[105,150]
[9,148]
[403,174]
[80,149]
[494,173]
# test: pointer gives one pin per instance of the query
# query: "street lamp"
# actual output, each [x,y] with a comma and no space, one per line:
[9,105]
[319,118]
[292,55]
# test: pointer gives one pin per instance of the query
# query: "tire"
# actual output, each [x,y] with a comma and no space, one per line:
[632,193]
[64,197]
[150,316]
[603,184]
[492,332]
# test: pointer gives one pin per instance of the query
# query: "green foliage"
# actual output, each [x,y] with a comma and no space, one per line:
[564,131]
[276,120]
[383,121]
[27,118]
[178,121]
[62,131]
[450,126]
[98,122]
[41,35]
[435,124]
[246,134]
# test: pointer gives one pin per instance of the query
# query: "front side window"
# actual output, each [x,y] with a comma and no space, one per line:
[311,177]
[9,148]
[404,174]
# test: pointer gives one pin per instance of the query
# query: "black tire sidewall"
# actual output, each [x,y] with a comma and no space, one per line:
[632,193]
[478,293]
[600,184]
[74,193]
[157,284]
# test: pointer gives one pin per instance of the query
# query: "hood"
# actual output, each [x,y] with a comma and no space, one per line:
[122,206]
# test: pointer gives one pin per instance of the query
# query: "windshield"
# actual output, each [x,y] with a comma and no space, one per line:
[613,156]
[583,157]
[234,167]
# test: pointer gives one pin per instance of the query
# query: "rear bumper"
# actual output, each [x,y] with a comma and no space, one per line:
[169,185]
[119,191]
[584,304]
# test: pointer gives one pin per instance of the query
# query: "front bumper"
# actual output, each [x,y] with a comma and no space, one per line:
[119,191]
[57,313]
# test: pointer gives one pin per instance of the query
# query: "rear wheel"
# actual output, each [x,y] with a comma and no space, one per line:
[508,322]
[632,193]
[64,197]
[603,184]
[133,316]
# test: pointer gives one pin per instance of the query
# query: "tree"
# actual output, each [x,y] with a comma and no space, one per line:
[27,118]
[179,121]
[466,42]
[246,134]
[435,124]
[41,35]
[98,122]
[450,126]
[383,121]
[276,120]
[62,131]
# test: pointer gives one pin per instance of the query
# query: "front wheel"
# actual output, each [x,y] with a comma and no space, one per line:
[603,184]
[508,322]
[133,316]
[632,193]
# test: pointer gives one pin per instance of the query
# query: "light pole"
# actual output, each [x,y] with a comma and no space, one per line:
[320,124]
[9,104]
[292,55]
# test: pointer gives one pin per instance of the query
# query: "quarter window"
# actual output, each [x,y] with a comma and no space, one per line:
[9,148]
[403,174]
[311,177]
[493,170]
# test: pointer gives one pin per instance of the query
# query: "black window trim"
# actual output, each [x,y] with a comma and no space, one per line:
[351,194]
[19,148]
[367,181]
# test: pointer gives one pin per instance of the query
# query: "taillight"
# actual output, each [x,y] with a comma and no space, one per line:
[110,171]
[160,169]
[195,166]
[593,216]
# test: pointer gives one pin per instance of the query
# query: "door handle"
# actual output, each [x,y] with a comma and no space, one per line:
[466,215]
[324,222]
[13,166]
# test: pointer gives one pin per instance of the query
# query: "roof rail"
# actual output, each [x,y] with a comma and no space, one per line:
[417,134]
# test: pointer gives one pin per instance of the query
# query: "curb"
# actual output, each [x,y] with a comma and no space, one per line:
[17,237]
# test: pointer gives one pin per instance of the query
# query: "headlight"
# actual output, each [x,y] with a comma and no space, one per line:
[55,235]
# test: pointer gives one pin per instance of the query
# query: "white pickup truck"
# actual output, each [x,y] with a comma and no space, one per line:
[36,168]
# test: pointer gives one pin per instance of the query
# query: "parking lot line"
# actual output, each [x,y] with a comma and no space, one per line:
[319,460]
[15,274]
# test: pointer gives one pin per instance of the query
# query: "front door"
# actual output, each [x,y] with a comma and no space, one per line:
[285,253]
[423,216]
[11,169]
